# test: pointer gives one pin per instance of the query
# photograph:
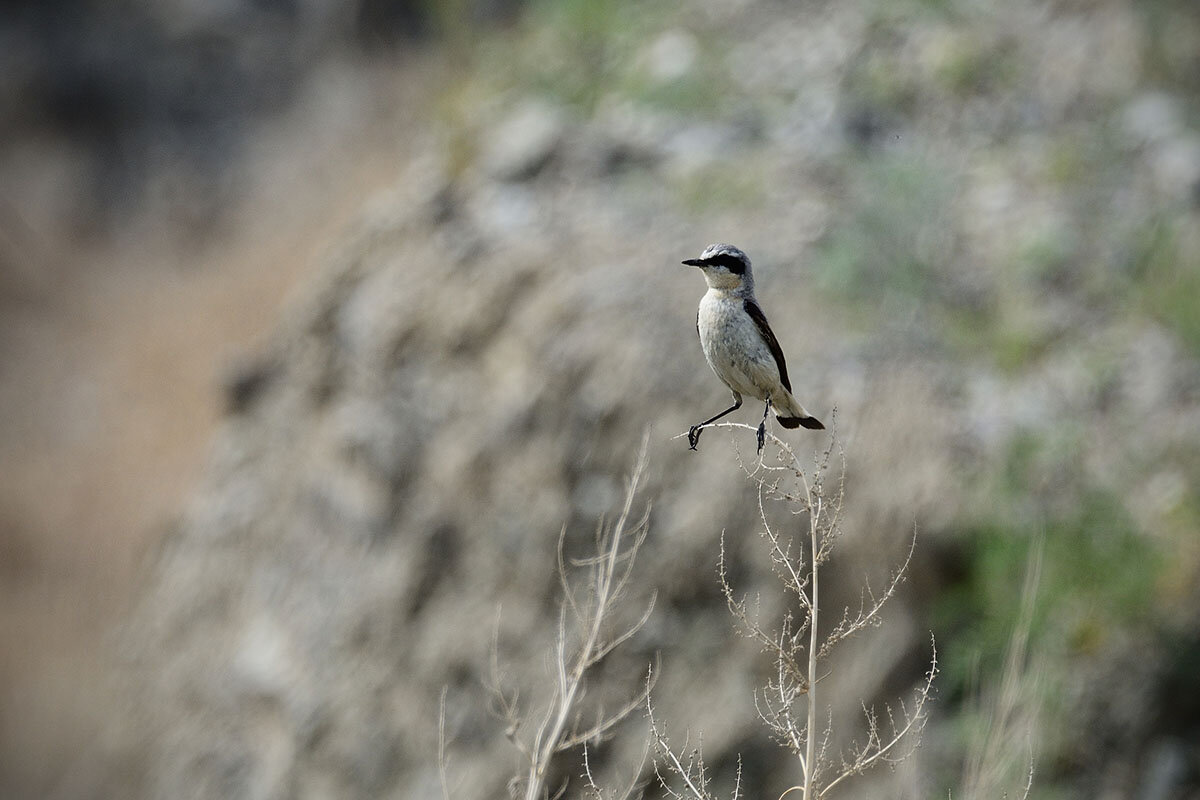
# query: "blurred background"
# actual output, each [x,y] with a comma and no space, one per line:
[319,320]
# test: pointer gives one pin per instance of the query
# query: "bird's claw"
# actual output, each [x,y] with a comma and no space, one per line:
[693,436]
[762,435]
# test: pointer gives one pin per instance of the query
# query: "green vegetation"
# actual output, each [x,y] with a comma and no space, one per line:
[1101,578]
[894,241]
[970,67]
[1172,29]
[582,52]
[740,187]
[1166,272]
[1100,572]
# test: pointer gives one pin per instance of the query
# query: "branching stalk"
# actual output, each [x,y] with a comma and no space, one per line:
[589,612]
[798,645]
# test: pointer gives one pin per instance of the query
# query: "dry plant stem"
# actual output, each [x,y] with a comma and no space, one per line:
[685,773]
[628,791]
[1015,707]
[800,658]
[608,580]
[442,746]
[877,750]
[809,764]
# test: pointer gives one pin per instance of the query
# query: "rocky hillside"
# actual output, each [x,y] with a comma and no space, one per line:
[976,233]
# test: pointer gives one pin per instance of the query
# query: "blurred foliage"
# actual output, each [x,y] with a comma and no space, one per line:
[1101,578]
[573,49]
[1166,269]
[740,186]
[598,48]
[583,52]
[1172,27]
[970,67]
[1100,575]
[894,238]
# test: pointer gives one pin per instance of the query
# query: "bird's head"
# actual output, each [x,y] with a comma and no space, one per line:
[724,266]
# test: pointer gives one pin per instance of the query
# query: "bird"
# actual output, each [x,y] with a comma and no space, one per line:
[739,344]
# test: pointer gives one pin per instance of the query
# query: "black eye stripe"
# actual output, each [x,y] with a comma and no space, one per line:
[730,262]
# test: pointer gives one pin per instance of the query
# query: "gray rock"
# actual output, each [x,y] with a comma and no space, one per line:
[516,147]
[671,56]
[1152,117]
[1176,166]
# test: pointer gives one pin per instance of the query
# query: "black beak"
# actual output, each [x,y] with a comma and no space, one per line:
[693,262]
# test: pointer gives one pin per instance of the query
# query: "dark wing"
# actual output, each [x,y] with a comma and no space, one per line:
[697,322]
[760,320]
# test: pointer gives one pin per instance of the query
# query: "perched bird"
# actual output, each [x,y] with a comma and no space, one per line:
[739,344]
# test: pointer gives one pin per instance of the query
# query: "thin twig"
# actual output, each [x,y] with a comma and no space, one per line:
[442,761]
[560,726]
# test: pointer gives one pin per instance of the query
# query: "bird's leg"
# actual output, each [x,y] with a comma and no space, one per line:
[762,427]
[694,431]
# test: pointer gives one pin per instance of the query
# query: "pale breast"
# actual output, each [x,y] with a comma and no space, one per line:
[733,346]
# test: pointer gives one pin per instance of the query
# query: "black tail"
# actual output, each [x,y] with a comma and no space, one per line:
[812,423]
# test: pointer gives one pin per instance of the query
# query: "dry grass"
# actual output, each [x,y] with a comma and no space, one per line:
[1000,761]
